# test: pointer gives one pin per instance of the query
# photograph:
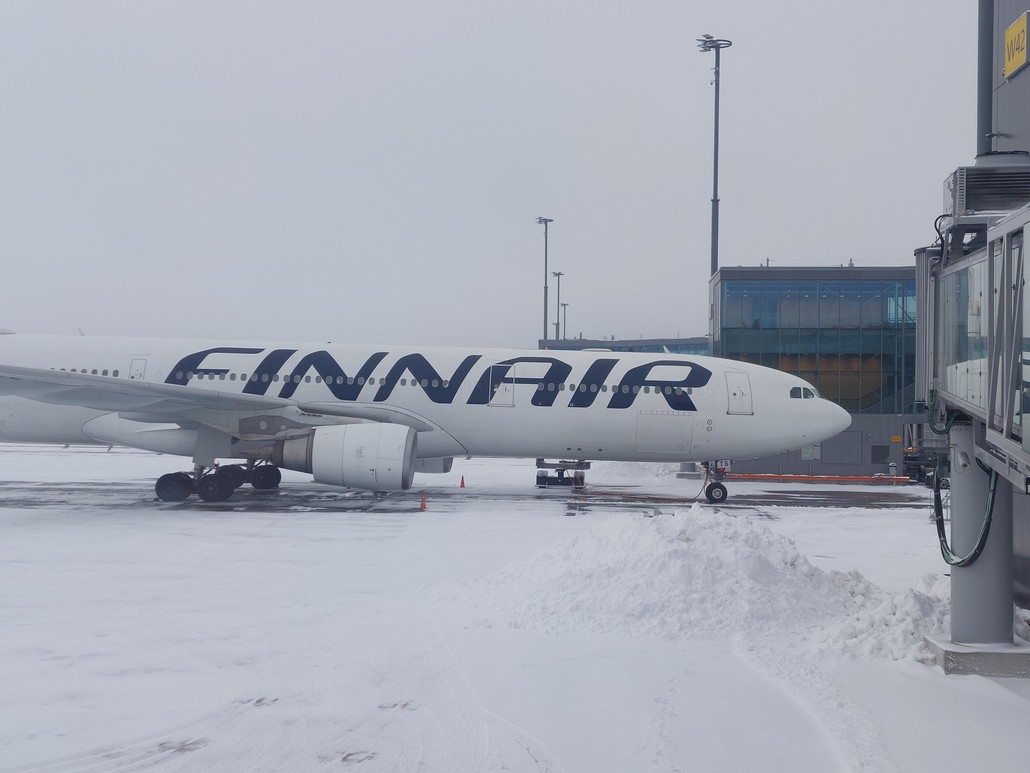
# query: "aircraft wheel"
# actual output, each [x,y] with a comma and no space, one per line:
[215,487]
[173,487]
[265,476]
[716,493]
[235,473]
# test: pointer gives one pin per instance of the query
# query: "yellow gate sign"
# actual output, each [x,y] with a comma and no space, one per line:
[895,438]
[1015,46]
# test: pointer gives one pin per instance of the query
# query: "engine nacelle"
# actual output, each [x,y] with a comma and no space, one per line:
[377,457]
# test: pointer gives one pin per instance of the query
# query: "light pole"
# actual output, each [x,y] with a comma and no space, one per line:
[708,43]
[544,221]
[565,320]
[557,305]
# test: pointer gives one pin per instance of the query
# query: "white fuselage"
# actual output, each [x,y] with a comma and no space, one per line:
[476,402]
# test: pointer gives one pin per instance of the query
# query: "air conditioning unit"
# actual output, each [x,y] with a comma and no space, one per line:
[975,189]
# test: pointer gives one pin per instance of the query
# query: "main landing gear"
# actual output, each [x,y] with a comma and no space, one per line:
[715,491]
[218,484]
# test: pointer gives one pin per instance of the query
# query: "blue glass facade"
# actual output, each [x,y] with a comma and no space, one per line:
[848,331]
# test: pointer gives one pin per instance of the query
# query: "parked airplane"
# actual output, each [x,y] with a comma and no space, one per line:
[370,417]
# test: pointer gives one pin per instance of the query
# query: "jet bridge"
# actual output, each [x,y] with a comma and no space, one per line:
[973,362]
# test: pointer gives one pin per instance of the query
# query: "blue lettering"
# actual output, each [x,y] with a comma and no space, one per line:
[675,392]
[179,374]
[340,384]
[497,374]
[425,374]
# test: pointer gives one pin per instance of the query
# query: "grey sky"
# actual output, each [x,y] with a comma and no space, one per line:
[371,172]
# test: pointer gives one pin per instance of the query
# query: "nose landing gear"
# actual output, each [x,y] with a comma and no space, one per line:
[715,491]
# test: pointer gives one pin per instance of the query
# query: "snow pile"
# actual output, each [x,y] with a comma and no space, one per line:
[694,574]
[699,574]
[893,628]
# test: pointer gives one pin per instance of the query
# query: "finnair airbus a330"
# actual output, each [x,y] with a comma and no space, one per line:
[370,417]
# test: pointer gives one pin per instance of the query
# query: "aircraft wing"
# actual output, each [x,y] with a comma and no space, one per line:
[174,403]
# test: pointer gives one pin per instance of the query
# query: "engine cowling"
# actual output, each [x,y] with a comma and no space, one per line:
[377,457]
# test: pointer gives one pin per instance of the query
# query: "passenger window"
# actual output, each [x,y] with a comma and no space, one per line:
[307,379]
[104,373]
[404,382]
[232,376]
[115,374]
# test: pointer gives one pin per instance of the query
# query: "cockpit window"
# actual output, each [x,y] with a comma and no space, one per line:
[795,392]
[809,393]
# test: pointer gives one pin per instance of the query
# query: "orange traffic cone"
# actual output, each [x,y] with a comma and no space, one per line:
[462,482]
[422,505]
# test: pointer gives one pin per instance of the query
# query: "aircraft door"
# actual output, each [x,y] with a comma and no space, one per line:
[502,385]
[137,370]
[738,392]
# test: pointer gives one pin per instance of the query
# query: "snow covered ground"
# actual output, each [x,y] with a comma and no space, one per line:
[502,629]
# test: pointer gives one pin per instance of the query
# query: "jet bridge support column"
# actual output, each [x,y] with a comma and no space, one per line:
[981,593]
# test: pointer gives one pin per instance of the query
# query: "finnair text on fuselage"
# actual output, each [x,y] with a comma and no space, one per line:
[443,388]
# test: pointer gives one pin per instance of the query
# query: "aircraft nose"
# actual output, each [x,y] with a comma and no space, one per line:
[840,419]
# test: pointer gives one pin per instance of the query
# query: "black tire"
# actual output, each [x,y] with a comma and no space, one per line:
[716,493]
[235,473]
[173,487]
[265,476]
[216,487]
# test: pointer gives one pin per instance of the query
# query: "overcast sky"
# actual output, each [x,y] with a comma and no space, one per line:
[372,172]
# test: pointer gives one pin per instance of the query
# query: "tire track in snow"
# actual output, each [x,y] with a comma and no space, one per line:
[850,730]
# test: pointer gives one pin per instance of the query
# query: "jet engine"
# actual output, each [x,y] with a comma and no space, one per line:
[377,457]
